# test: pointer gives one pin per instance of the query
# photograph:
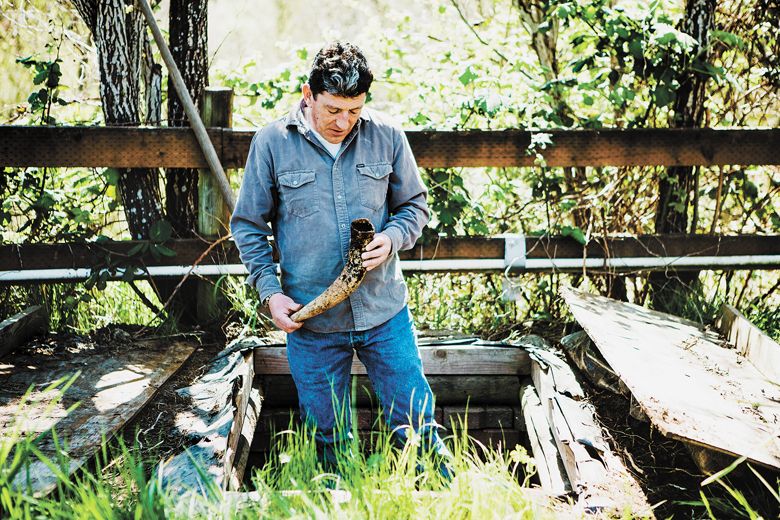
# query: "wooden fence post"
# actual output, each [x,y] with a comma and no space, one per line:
[213,213]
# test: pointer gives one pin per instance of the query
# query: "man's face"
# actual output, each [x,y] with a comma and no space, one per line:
[333,116]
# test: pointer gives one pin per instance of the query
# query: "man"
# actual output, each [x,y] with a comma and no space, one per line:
[309,174]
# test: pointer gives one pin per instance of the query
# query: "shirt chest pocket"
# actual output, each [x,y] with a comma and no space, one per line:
[298,193]
[373,180]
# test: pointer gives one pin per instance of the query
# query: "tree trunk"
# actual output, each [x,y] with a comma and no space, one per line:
[545,44]
[119,37]
[676,188]
[188,43]
[189,47]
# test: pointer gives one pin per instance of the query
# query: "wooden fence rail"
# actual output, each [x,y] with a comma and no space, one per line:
[134,147]
[119,147]
[622,253]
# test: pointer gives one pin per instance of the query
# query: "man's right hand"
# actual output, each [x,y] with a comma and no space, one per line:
[281,306]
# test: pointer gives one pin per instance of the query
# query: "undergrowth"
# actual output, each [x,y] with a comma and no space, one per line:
[374,478]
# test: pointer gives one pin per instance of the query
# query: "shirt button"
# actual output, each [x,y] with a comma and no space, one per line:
[343,226]
[295,183]
[338,196]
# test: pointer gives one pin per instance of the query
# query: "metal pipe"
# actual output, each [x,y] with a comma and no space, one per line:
[531,264]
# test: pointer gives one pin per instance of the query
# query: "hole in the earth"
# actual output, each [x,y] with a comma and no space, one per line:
[487,408]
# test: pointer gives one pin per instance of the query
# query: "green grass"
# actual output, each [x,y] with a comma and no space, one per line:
[372,478]
[377,480]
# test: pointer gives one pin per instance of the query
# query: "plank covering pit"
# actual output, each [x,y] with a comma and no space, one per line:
[112,385]
[690,384]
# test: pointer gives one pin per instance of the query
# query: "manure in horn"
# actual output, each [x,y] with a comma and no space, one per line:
[361,233]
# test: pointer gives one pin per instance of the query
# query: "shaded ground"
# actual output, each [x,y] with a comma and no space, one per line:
[153,429]
[666,470]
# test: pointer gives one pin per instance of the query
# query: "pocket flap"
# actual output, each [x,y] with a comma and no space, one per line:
[377,171]
[296,178]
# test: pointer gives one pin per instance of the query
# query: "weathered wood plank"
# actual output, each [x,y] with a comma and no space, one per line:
[437,360]
[248,430]
[751,342]
[241,397]
[91,254]
[22,326]
[449,390]
[549,465]
[689,386]
[177,148]
[113,384]
[213,210]
[608,147]
[595,473]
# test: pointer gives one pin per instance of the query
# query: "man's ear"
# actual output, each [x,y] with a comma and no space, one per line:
[307,95]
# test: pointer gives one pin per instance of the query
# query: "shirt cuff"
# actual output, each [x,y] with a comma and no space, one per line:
[396,238]
[268,286]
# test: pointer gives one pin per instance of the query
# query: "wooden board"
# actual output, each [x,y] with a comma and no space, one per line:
[100,146]
[85,255]
[689,386]
[448,390]
[221,400]
[750,341]
[242,396]
[114,384]
[243,448]
[549,465]
[437,360]
[22,326]
[596,474]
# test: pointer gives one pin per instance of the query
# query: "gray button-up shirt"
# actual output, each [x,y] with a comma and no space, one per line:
[310,199]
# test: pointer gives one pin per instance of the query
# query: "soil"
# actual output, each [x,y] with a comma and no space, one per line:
[666,471]
[153,429]
[664,468]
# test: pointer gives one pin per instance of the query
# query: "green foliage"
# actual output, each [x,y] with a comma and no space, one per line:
[461,66]
[735,504]
[379,480]
[764,314]
[46,75]
[48,204]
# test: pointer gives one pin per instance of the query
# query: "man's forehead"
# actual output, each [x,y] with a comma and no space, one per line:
[341,102]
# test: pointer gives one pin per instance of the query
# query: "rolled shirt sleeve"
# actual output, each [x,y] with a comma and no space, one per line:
[249,223]
[407,195]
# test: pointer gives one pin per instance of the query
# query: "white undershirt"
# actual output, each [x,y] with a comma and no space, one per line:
[332,148]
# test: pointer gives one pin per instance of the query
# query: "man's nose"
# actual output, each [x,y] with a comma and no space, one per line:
[342,120]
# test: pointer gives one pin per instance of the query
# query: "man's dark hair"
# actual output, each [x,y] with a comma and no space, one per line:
[340,69]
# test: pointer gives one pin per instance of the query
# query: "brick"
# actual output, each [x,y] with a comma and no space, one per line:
[493,437]
[498,417]
[473,417]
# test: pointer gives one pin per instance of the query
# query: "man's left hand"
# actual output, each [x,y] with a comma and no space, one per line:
[377,251]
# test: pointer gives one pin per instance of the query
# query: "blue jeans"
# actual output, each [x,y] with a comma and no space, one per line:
[320,364]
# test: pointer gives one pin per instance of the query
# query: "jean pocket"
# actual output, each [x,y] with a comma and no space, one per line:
[373,179]
[298,193]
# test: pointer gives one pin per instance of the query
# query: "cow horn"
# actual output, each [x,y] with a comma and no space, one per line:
[362,232]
